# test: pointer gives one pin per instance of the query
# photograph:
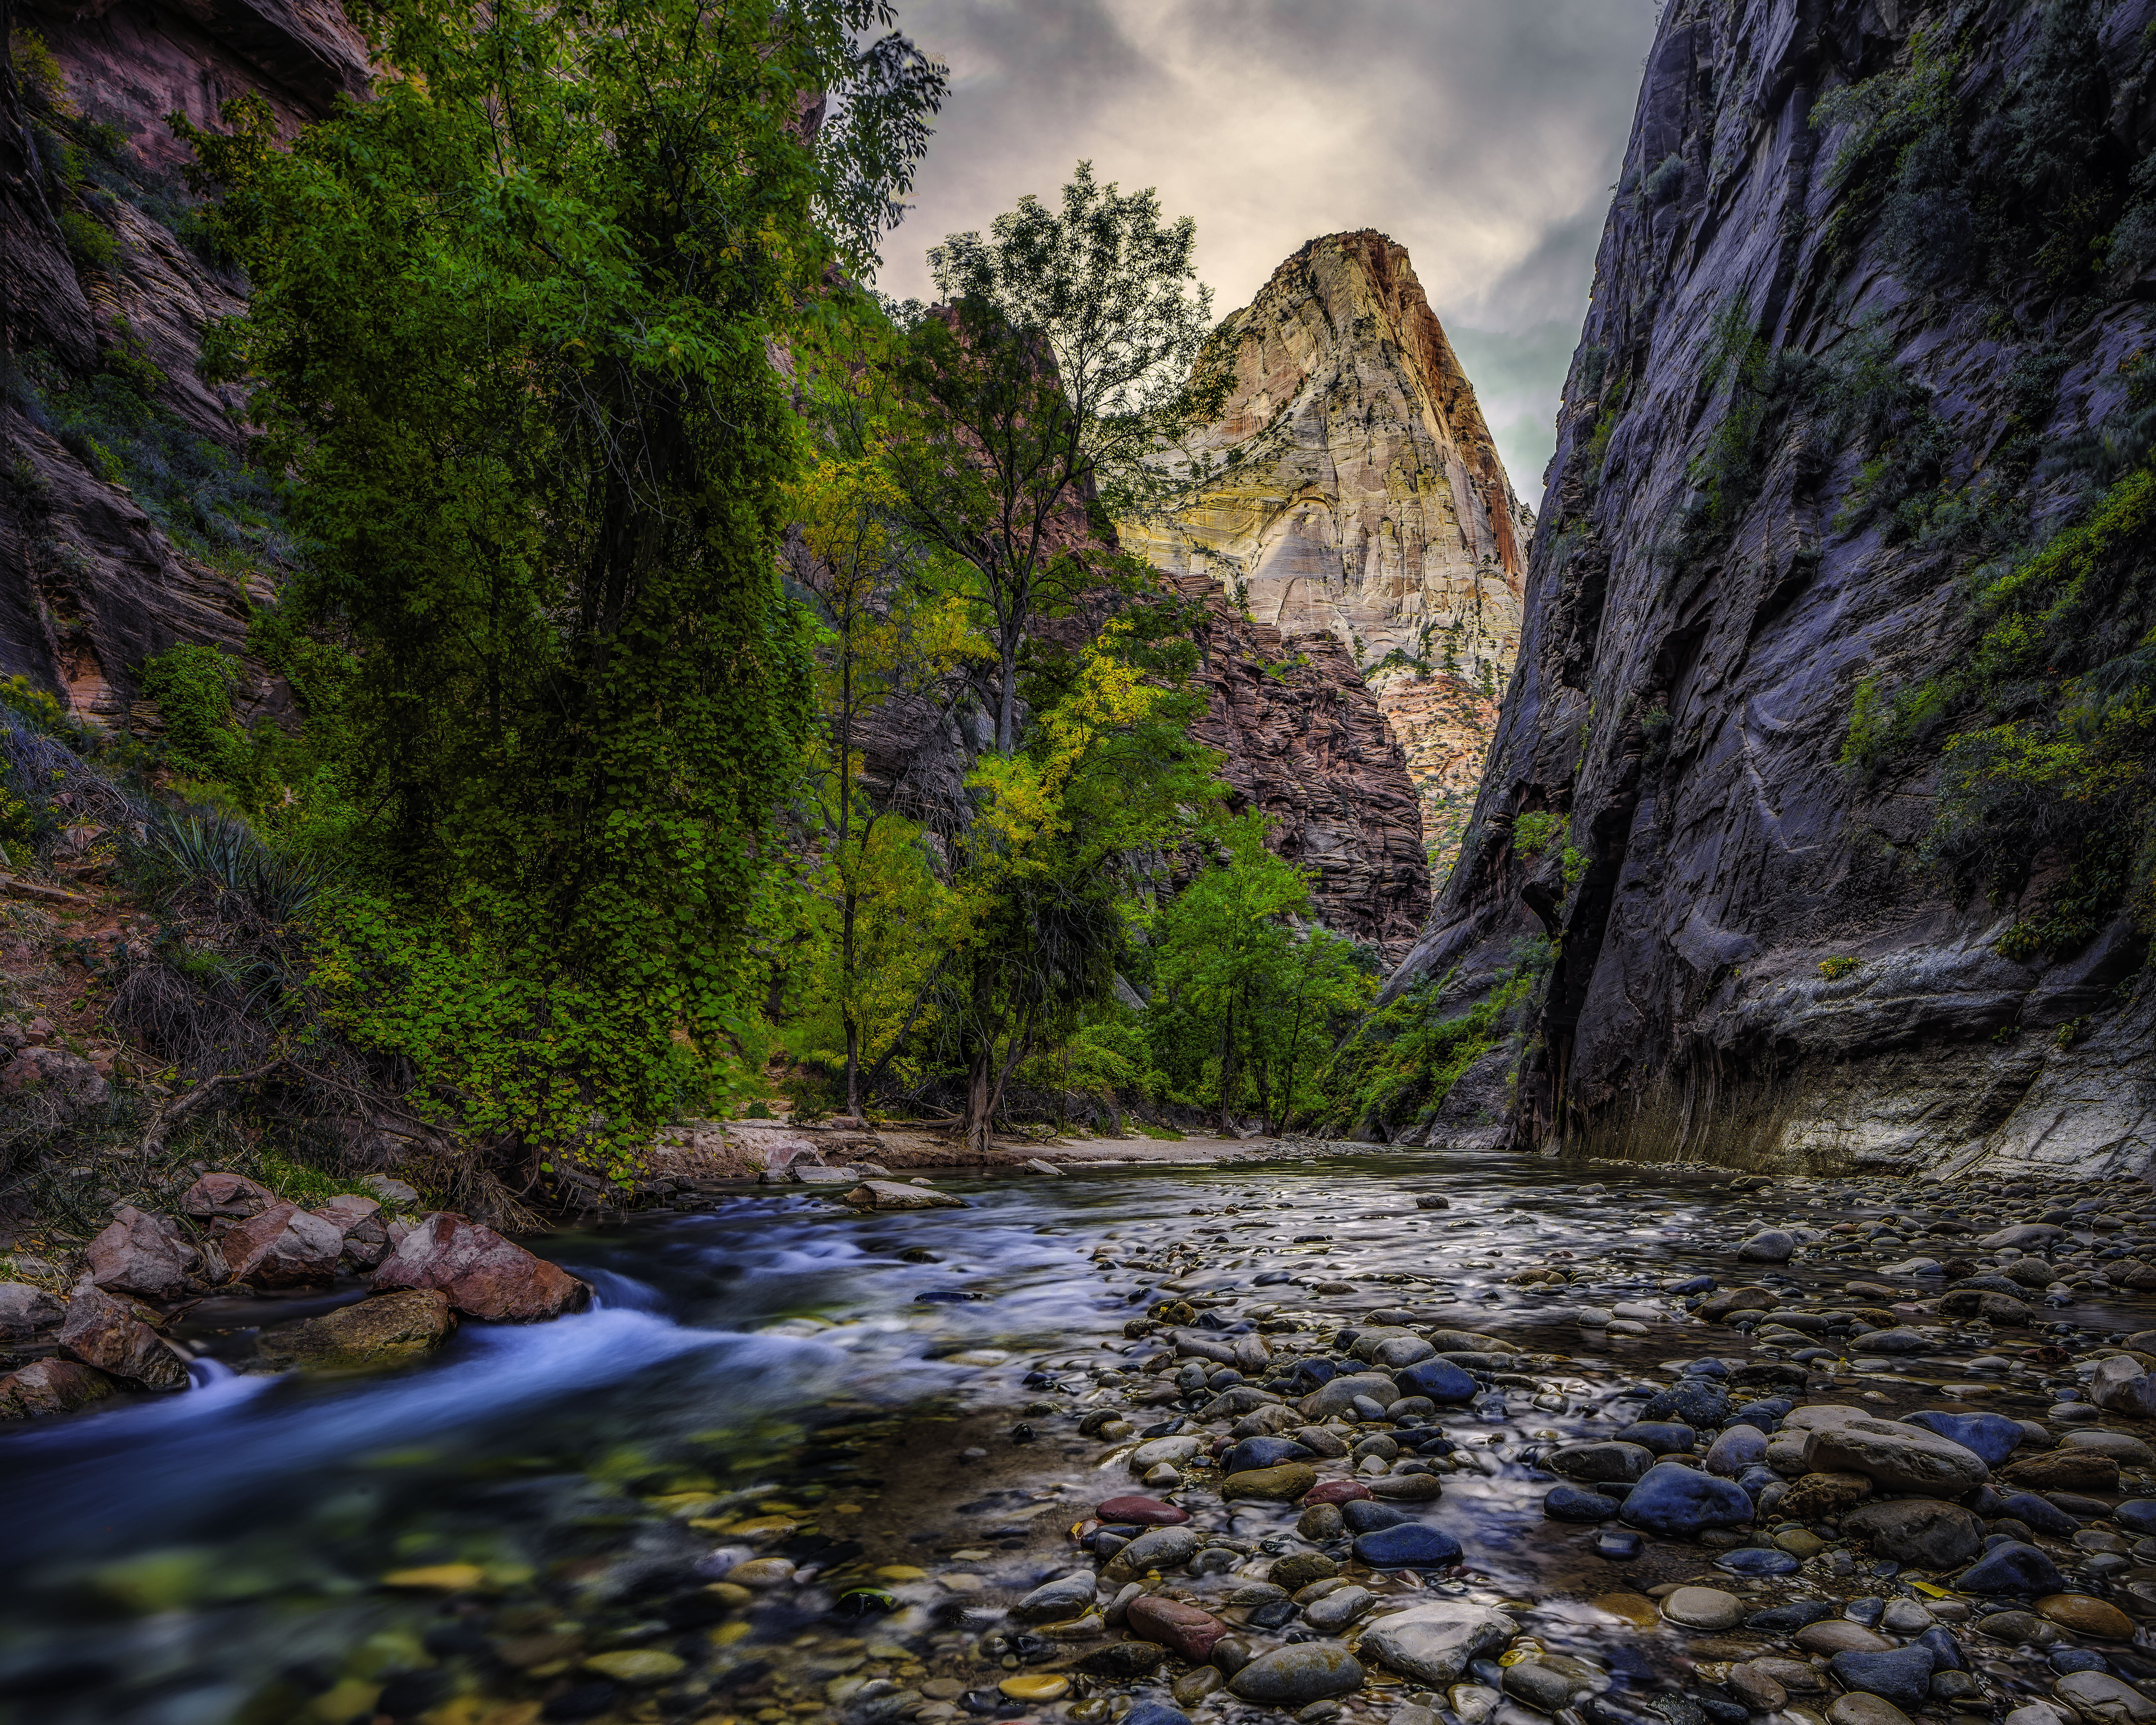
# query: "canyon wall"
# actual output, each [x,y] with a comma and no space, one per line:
[1871,325]
[1349,489]
[128,521]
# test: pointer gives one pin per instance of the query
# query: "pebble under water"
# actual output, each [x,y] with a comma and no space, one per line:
[804,1464]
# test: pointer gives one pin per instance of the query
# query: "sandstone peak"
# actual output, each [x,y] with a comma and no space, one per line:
[1350,487]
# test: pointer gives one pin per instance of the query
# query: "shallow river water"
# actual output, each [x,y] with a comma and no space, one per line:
[891,1404]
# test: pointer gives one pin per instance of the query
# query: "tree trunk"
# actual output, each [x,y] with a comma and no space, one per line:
[1007,701]
[977,1099]
[1227,1069]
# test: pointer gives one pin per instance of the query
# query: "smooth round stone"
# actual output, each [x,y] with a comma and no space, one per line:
[1678,1501]
[1865,1710]
[2122,1447]
[1336,1491]
[1368,1516]
[1662,1437]
[1618,1545]
[1439,1380]
[1770,1245]
[1837,1635]
[1156,1712]
[1704,1608]
[1758,1690]
[1294,1676]
[2137,1514]
[1124,1661]
[1256,1452]
[1901,1675]
[1735,1449]
[1408,1546]
[2086,1616]
[2012,1568]
[1301,1569]
[1570,1503]
[761,1572]
[1756,1560]
[1407,1487]
[2100,1699]
[1335,1611]
[637,1666]
[1273,1485]
[1141,1512]
[1180,1628]
[1993,1436]
[1041,1687]
[1634,1608]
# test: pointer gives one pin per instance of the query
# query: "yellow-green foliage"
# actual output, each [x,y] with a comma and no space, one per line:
[1403,1060]
[1534,833]
[1834,969]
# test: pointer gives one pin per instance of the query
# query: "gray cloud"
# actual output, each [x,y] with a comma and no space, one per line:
[1480,134]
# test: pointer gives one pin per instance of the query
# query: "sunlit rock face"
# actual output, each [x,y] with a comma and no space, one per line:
[1350,488]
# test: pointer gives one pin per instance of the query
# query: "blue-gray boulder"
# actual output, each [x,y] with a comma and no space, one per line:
[1659,1437]
[1410,1546]
[1696,1400]
[1675,1500]
[1440,1380]
[1902,1675]
[1570,1503]
[1992,1435]
[1254,1452]
[2011,1568]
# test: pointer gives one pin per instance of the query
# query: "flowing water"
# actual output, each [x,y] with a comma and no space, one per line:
[862,1391]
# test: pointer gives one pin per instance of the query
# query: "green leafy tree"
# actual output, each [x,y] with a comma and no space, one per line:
[511,336]
[1247,1004]
[1046,395]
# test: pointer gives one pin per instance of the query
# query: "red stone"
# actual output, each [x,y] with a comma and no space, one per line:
[1180,1628]
[484,1275]
[1141,1512]
[1336,1492]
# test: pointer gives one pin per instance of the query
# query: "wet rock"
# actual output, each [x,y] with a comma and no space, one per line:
[2065,1471]
[1992,1306]
[51,1386]
[760,1574]
[2121,1386]
[1902,1675]
[1770,1245]
[139,1253]
[485,1276]
[1431,1201]
[386,1330]
[1552,1682]
[2017,1629]
[1894,1341]
[1410,1546]
[27,1312]
[1697,1401]
[1141,1512]
[1862,1709]
[1434,1643]
[1321,1441]
[1735,1449]
[2086,1616]
[1157,1548]
[1759,1560]
[1575,1503]
[2013,1568]
[1194,1687]
[2137,1515]
[1674,1500]
[1054,1600]
[283,1246]
[1042,1687]
[1294,1676]
[1837,1634]
[1923,1531]
[232,1195]
[1439,1380]
[116,1336]
[1719,1307]
[1822,1496]
[1659,1438]
[1178,1627]
[1256,1452]
[1127,1661]
[1992,1436]
[1168,1452]
[638,1667]
[1275,1485]
[896,1195]
[1336,1609]
[1895,1457]
[1400,1351]
[1618,1545]
[1337,1396]
[1757,1689]
[2025,1235]
[1704,1608]
[2098,1698]
[1367,1517]
[2125,1449]
[1787,1620]
[358,1219]
[1601,1463]
[1303,1568]
[1407,1487]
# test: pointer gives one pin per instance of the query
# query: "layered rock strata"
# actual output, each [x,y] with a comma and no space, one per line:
[1735,941]
[115,456]
[1350,488]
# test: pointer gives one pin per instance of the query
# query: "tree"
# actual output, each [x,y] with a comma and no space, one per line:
[1047,392]
[1246,1003]
[510,336]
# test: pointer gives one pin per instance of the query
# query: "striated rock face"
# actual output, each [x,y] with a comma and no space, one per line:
[125,525]
[1354,492]
[1808,402]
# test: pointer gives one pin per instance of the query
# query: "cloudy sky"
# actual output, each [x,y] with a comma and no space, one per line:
[1482,134]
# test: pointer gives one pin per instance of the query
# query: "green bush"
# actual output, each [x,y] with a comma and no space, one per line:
[1534,833]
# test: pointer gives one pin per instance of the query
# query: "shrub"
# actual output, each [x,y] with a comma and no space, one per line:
[1834,969]
[1534,833]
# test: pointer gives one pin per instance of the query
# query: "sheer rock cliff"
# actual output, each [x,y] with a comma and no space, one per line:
[1351,491]
[103,562]
[1803,389]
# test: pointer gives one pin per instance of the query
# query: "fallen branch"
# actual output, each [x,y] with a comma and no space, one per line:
[170,1114]
[13,888]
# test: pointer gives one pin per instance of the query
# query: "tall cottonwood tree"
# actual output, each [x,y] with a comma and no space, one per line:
[511,334]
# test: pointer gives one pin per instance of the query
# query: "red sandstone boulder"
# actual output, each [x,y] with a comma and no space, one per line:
[1180,1628]
[484,1275]
[284,1247]
[51,1386]
[142,1254]
[1143,1512]
[232,1195]
[359,1219]
[117,1336]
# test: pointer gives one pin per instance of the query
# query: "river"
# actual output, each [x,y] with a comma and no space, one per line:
[889,1393]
